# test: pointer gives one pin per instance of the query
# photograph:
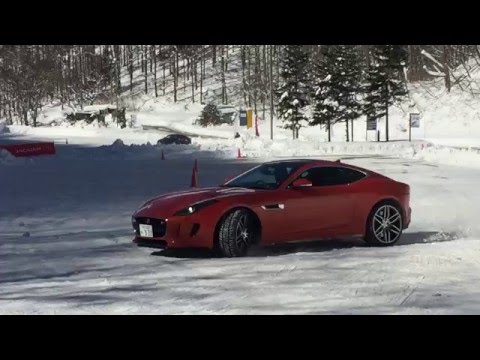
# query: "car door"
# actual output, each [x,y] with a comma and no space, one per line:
[275,217]
[168,140]
[323,209]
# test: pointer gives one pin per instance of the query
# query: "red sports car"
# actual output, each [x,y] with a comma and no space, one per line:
[278,202]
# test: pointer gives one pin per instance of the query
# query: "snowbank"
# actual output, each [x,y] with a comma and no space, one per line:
[4,128]
[448,156]
[6,158]
[416,150]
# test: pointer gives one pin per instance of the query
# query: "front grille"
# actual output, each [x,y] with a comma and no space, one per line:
[159,226]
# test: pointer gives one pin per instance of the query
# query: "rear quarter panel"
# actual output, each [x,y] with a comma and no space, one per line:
[374,189]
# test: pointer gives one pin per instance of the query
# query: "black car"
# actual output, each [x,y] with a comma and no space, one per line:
[178,139]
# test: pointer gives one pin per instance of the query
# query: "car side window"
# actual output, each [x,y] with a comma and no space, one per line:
[330,176]
[353,175]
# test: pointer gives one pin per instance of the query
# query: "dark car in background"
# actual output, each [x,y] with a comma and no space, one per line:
[177,139]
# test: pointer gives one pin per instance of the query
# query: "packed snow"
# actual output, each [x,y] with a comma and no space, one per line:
[66,245]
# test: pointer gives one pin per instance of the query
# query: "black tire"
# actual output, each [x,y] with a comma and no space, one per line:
[236,233]
[384,224]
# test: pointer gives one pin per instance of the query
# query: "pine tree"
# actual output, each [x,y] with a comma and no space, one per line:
[337,87]
[350,84]
[210,116]
[324,101]
[385,80]
[293,90]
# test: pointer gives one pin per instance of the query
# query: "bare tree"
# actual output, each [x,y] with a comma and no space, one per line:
[154,59]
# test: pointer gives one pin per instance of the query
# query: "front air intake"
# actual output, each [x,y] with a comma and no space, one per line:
[159,226]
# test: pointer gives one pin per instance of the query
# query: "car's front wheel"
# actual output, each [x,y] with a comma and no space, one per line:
[384,224]
[236,233]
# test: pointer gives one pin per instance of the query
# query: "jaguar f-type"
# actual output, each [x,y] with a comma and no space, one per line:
[278,202]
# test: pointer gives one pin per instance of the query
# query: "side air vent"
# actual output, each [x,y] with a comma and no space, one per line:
[195,229]
[273,207]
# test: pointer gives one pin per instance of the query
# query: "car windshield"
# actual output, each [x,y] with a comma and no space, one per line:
[265,177]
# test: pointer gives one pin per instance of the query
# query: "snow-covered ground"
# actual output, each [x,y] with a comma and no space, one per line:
[65,244]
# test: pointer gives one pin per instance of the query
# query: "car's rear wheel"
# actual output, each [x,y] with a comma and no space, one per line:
[236,233]
[384,224]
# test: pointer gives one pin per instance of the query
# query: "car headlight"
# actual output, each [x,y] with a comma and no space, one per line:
[195,208]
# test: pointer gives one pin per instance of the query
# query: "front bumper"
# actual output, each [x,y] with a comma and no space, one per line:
[176,232]
[150,243]
[408,218]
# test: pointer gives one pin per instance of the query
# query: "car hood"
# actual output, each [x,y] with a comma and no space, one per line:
[168,204]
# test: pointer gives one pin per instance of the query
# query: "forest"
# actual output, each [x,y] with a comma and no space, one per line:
[303,85]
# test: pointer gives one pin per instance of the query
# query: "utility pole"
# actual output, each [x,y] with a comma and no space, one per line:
[271,92]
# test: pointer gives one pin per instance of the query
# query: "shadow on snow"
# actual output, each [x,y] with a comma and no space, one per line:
[421,237]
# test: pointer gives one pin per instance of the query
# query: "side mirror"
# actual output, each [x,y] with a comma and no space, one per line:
[300,183]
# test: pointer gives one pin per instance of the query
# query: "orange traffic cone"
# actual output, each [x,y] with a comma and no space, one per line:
[194,182]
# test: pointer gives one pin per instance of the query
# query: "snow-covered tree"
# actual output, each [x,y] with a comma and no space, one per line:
[324,106]
[337,87]
[293,90]
[440,67]
[210,116]
[385,80]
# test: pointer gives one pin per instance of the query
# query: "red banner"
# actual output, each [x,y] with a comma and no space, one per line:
[30,149]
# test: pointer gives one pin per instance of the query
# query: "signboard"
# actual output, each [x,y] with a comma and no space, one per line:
[371,124]
[249,118]
[415,120]
[30,149]
[243,118]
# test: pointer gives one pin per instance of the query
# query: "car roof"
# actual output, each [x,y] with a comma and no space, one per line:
[305,161]
[319,162]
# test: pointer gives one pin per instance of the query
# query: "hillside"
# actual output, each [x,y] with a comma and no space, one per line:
[449,120]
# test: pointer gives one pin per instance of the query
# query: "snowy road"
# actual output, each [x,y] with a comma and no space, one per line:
[78,257]
[167,130]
